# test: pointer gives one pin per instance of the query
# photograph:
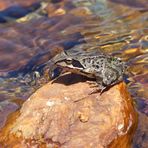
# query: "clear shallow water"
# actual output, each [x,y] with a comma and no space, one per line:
[118,28]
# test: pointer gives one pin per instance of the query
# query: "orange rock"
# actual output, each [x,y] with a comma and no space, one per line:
[65,113]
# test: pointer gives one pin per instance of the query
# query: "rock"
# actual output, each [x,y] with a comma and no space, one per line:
[65,113]
[4,4]
[27,51]
[138,4]
[81,11]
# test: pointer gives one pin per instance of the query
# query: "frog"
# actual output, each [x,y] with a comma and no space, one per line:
[107,70]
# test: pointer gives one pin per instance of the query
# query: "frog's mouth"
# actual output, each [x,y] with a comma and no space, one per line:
[74,67]
[73,64]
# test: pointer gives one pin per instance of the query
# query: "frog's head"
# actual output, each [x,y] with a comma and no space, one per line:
[61,57]
[65,60]
[113,71]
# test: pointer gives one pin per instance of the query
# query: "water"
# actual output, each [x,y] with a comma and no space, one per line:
[34,32]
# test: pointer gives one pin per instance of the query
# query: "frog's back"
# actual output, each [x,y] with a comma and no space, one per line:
[95,62]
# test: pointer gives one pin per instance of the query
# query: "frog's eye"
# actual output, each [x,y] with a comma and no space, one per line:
[68,61]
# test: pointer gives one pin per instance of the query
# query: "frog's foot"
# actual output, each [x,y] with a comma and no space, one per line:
[94,91]
[102,88]
[92,84]
[97,88]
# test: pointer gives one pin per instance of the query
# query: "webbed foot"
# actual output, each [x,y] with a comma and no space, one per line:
[92,84]
[98,87]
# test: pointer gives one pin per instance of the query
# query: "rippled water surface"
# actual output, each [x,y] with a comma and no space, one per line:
[34,31]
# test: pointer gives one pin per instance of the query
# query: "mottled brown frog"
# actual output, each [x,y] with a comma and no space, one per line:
[107,70]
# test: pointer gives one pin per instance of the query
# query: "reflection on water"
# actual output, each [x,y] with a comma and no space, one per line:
[116,27]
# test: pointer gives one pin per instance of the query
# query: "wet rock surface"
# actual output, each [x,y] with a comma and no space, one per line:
[35,41]
[29,38]
[135,4]
[65,113]
[10,3]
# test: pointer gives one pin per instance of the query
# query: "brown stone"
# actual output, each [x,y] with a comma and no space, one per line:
[26,44]
[81,11]
[4,4]
[138,4]
[65,113]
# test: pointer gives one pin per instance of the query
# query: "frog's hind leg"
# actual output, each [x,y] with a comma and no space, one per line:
[98,86]
[98,89]
[95,86]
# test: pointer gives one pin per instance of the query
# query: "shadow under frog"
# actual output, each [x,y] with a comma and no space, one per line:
[72,78]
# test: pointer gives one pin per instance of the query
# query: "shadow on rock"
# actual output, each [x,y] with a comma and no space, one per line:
[70,78]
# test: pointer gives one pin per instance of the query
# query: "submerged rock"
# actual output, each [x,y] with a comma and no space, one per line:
[4,4]
[65,113]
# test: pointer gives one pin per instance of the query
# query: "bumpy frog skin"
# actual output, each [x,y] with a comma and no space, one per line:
[107,70]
